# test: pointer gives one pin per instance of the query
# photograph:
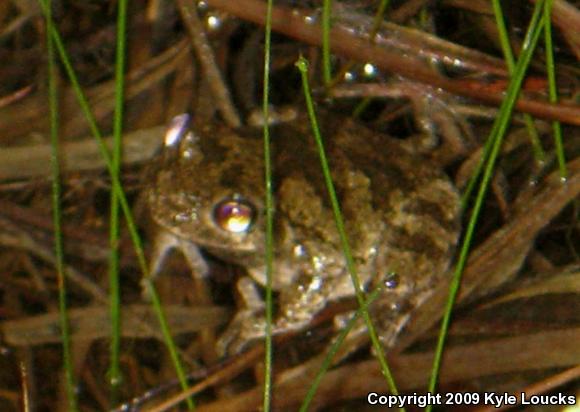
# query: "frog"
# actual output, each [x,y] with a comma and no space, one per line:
[401,214]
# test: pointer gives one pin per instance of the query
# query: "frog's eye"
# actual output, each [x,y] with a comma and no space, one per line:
[234,215]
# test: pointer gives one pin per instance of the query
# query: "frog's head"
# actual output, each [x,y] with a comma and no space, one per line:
[208,188]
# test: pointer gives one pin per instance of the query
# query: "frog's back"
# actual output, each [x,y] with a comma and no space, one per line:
[401,211]
[377,179]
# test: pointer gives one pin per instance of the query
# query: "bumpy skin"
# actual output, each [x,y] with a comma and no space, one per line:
[401,214]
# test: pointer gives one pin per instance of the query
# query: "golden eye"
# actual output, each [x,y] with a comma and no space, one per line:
[234,215]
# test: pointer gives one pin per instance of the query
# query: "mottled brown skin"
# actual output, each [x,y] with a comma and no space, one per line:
[401,215]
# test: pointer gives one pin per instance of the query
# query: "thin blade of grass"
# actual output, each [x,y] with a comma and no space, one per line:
[56,217]
[496,137]
[302,65]
[327,361]
[519,71]
[377,22]
[378,19]
[269,204]
[552,88]
[539,153]
[114,372]
[326,23]
[117,187]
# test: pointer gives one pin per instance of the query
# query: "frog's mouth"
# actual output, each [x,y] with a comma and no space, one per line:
[229,253]
[244,256]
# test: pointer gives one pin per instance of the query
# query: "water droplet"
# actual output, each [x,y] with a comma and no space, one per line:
[369,70]
[183,217]
[187,154]
[563,180]
[310,19]
[395,307]
[349,76]
[116,381]
[457,63]
[213,22]
[391,280]
[299,251]
[533,182]
[318,263]
[316,283]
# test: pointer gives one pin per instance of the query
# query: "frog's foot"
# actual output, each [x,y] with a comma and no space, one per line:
[295,312]
[249,326]
[245,328]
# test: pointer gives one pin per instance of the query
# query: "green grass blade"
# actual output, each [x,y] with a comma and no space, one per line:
[496,137]
[510,63]
[168,339]
[114,372]
[56,216]
[378,20]
[86,110]
[517,76]
[116,186]
[327,361]
[326,24]
[552,88]
[269,204]
[302,65]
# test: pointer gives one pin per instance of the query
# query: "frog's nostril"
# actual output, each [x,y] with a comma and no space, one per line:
[234,215]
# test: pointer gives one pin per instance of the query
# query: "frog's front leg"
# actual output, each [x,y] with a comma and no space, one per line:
[248,324]
[163,243]
[298,304]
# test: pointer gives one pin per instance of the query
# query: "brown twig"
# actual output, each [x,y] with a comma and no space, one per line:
[93,322]
[294,24]
[543,386]
[34,161]
[412,370]
[206,57]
